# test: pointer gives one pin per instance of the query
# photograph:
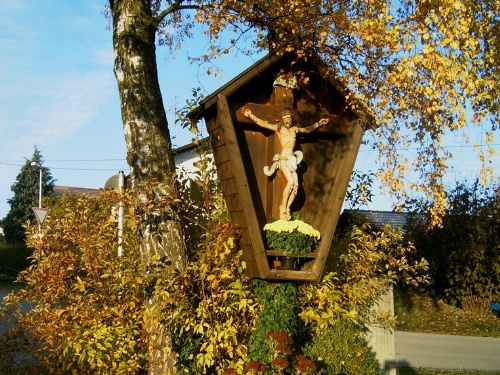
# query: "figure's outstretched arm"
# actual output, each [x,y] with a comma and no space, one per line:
[264,124]
[313,127]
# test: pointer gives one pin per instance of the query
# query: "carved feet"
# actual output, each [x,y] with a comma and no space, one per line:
[285,213]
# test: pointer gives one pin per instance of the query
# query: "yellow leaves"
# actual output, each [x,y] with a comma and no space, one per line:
[245,303]
[237,285]
[458,5]
[482,157]
[200,328]
[364,258]
[428,48]
[81,308]
[210,301]
[352,315]
[454,44]
[206,359]
[80,284]
[111,219]
[215,282]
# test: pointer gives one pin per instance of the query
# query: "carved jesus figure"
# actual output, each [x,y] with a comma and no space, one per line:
[287,160]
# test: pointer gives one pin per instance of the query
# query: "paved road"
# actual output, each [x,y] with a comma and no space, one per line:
[447,352]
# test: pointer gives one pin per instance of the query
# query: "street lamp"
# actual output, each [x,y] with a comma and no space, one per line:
[35,164]
[39,212]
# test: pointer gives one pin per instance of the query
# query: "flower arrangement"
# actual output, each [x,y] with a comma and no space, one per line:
[293,237]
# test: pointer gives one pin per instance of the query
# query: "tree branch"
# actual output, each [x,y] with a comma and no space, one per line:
[177,5]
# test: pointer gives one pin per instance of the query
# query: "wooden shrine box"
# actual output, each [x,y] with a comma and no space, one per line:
[242,149]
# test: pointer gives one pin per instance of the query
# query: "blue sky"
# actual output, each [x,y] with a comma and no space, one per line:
[58,92]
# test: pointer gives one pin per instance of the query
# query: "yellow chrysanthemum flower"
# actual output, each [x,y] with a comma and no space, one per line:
[281,226]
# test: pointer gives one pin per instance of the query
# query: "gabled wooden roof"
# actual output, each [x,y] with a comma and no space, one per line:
[267,63]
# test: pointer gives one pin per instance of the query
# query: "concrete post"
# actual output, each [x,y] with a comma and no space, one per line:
[381,340]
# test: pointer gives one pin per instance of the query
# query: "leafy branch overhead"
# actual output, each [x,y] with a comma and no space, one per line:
[423,69]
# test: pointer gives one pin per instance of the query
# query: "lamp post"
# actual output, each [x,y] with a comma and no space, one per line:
[35,164]
[121,185]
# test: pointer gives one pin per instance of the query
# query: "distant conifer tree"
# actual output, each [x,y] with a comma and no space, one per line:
[26,192]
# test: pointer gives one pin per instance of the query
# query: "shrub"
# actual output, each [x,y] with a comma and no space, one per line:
[463,252]
[14,259]
[365,262]
[209,307]
[341,350]
[86,302]
[90,307]
[279,314]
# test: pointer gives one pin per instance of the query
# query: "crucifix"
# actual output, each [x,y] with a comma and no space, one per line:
[288,159]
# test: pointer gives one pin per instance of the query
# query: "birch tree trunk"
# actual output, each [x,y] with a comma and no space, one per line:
[149,150]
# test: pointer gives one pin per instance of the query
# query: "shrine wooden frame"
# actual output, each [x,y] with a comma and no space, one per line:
[240,150]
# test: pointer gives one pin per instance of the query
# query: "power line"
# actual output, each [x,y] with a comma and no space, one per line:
[20,163]
[64,160]
[67,168]
[82,160]
[86,169]
[11,163]
[444,147]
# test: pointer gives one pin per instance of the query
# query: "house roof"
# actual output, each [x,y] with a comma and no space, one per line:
[378,219]
[186,148]
[60,190]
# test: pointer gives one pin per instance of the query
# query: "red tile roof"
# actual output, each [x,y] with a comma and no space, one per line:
[60,190]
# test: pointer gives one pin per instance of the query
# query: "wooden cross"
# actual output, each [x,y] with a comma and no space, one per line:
[283,98]
[269,115]
[337,126]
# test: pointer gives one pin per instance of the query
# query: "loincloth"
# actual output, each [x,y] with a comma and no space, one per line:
[292,162]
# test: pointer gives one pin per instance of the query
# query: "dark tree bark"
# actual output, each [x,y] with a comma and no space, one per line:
[149,149]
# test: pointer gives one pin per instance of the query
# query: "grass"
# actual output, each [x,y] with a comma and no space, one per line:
[418,313]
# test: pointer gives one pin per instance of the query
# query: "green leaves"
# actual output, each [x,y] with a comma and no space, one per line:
[279,313]
[463,252]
